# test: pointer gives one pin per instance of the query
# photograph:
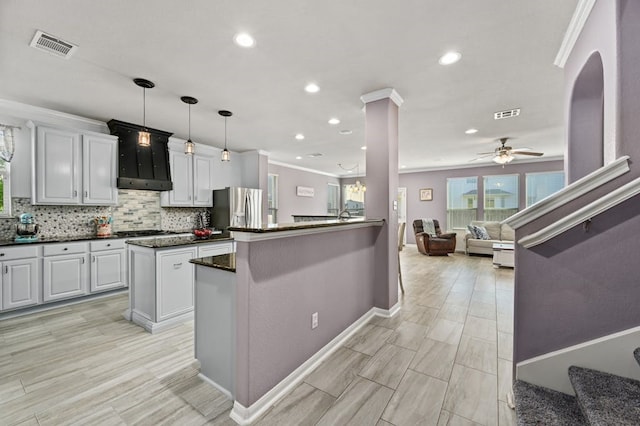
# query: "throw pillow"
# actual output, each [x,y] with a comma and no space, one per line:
[482,233]
[472,231]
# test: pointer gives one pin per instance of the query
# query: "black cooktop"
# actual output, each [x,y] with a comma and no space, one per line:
[144,233]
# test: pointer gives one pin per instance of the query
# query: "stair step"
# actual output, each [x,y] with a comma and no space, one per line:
[606,399]
[636,354]
[536,405]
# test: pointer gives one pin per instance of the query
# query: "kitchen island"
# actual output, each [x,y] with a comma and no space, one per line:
[288,298]
[161,279]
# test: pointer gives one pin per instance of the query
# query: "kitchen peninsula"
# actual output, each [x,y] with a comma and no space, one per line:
[289,296]
[161,279]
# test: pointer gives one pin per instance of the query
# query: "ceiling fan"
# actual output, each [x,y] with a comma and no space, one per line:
[505,154]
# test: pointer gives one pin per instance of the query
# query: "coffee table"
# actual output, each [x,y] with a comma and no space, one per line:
[503,255]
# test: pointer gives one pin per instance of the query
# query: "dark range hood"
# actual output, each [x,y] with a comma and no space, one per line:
[142,167]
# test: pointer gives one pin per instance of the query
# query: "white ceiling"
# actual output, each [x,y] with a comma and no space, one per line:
[348,47]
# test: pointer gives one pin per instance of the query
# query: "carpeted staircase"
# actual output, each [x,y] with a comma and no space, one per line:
[601,399]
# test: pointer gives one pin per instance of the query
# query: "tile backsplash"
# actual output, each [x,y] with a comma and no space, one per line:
[135,210]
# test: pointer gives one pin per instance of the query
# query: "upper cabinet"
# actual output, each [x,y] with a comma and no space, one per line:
[192,177]
[73,167]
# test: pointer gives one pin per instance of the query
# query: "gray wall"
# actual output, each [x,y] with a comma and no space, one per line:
[437,180]
[280,283]
[289,203]
[582,285]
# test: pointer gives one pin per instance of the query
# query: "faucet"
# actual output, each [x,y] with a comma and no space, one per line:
[343,211]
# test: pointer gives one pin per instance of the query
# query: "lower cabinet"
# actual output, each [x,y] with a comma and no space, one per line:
[20,283]
[65,271]
[108,265]
[175,282]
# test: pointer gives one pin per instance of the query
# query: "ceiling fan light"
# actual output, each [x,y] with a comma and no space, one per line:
[503,158]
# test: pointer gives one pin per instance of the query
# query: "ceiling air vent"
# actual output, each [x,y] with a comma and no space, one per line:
[53,45]
[506,114]
[315,155]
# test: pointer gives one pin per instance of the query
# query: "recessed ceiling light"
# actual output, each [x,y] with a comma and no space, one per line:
[334,121]
[312,88]
[449,58]
[346,132]
[349,171]
[471,131]
[364,148]
[299,136]
[403,167]
[298,158]
[244,40]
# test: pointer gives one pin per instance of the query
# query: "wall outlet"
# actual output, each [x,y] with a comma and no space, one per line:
[314,320]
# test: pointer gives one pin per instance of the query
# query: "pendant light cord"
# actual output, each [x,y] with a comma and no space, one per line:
[189,122]
[144,107]
[225,133]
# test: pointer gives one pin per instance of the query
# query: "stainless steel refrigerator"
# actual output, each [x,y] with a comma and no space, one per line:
[240,207]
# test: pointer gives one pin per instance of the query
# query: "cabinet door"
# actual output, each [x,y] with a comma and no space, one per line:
[107,270]
[175,282]
[20,280]
[181,176]
[57,173]
[64,276]
[202,181]
[99,170]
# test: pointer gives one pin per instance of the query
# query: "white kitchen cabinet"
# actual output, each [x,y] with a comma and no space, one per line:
[108,267]
[20,277]
[192,177]
[99,170]
[175,282]
[73,167]
[65,271]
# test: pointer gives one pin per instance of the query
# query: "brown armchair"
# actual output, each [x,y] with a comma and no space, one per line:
[440,245]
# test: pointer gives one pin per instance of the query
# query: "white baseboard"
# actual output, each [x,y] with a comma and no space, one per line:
[612,354]
[246,415]
[154,327]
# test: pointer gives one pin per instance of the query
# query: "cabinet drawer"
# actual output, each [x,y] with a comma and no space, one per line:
[215,249]
[64,248]
[23,252]
[107,245]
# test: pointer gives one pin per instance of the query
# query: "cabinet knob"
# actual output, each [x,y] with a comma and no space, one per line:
[177,265]
[109,245]
[1,254]
[65,249]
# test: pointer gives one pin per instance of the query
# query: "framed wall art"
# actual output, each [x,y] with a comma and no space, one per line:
[426,194]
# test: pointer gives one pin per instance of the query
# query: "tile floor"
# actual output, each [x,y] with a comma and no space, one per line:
[444,359]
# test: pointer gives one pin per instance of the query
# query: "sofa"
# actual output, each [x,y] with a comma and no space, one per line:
[498,233]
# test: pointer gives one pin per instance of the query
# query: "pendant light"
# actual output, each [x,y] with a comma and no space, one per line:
[144,137]
[189,146]
[226,155]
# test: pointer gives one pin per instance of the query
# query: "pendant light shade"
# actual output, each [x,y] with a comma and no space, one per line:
[144,137]
[226,155]
[189,146]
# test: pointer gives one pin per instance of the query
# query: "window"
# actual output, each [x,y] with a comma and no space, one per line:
[354,199]
[272,198]
[462,201]
[500,197]
[333,199]
[541,185]
[5,188]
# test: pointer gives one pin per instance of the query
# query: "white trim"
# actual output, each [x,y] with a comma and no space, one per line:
[578,20]
[612,354]
[377,95]
[478,165]
[154,327]
[26,111]
[304,169]
[601,205]
[272,235]
[570,192]
[246,415]
[215,385]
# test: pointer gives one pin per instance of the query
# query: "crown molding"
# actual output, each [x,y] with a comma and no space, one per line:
[36,113]
[579,18]
[304,169]
[382,94]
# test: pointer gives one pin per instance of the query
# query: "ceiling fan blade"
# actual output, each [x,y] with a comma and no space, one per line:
[485,153]
[532,153]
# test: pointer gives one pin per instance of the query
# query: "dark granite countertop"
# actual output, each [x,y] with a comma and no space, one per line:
[225,262]
[48,240]
[165,242]
[304,225]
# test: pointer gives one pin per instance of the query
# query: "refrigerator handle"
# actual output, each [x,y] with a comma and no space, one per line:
[247,210]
